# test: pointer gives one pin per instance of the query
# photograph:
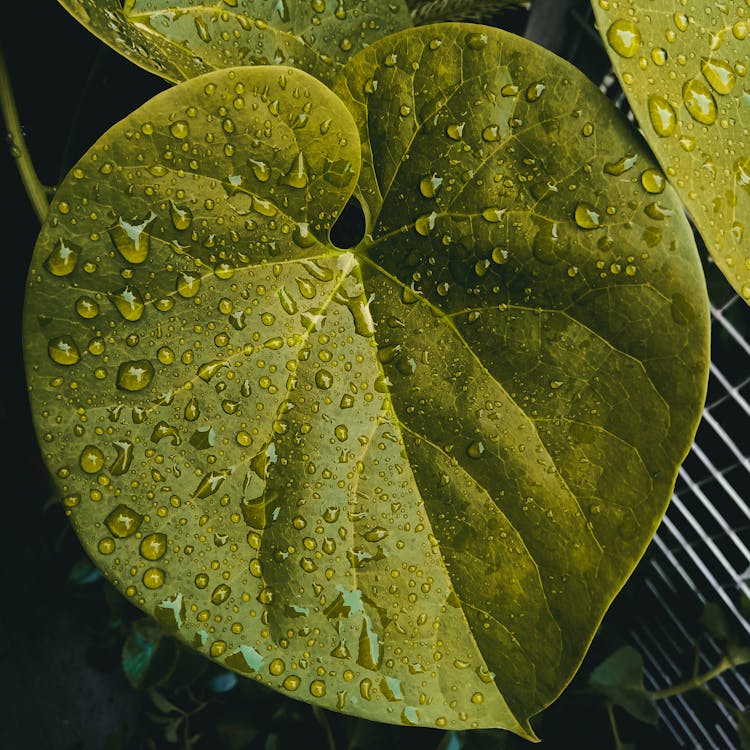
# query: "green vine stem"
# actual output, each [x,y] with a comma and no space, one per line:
[34,189]
[613,724]
[693,683]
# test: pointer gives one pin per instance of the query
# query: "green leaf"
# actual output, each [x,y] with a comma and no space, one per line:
[147,657]
[404,481]
[714,620]
[620,678]
[180,39]
[683,71]
[84,573]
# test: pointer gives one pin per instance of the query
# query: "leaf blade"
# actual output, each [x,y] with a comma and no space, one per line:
[181,39]
[682,75]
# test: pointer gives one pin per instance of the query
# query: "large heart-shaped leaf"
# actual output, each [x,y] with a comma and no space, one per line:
[180,39]
[683,69]
[403,481]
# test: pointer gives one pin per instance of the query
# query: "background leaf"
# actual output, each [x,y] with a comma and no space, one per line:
[620,678]
[683,69]
[180,39]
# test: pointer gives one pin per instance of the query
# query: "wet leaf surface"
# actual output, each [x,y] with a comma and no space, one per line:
[683,67]
[180,39]
[402,481]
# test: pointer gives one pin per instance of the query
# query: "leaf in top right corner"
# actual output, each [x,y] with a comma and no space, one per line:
[683,67]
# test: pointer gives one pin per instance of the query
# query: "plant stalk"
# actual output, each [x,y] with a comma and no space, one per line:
[694,683]
[36,192]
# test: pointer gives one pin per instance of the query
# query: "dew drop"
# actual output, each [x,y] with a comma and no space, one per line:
[154,546]
[476,41]
[493,215]
[296,177]
[129,303]
[306,288]
[534,91]
[699,102]
[719,74]
[180,129]
[123,521]
[545,243]
[586,216]
[182,216]
[475,449]
[681,21]
[622,165]
[188,284]
[376,534]
[662,115]
[87,308]
[341,432]
[154,578]
[425,223]
[500,255]
[302,236]
[202,29]
[491,133]
[323,379]
[135,375]
[288,304]
[455,131]
[742,171]
[260,169]
[63,259]
[132,240]
[657,211]
[63,350]
[624,38]
[264,207]
[91,459]
[653,181]
[659,56]
[429,185]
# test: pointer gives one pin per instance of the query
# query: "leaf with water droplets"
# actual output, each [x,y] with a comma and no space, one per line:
[402,481]
[180,39]
[536,293]
[684,72]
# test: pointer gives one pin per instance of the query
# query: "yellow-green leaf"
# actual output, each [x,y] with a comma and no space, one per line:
[402,481]
[526,289]
[683,68]
[180,39]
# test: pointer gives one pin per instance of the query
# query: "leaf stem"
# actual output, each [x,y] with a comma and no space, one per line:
[694,683]
[36,192]
[613,724]
[320,715]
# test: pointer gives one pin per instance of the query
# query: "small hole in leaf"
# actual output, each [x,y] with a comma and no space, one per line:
[349,228]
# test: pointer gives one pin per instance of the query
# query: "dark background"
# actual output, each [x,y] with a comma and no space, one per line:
[60,640]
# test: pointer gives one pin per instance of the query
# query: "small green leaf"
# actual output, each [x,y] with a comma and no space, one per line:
[147,657]
[683,70]
[180,39]
[620,678]
[84,573]
[714,620]
[406,480]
